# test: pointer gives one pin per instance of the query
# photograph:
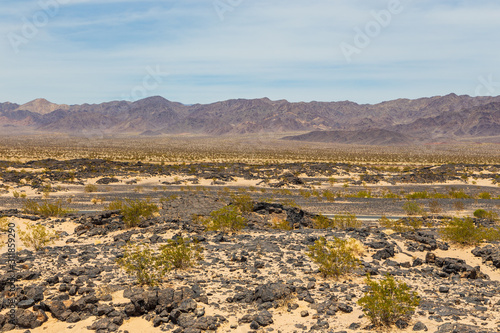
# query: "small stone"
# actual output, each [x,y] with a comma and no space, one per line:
[419,326]
[345,308]
[304,313]
[401,324]
[254,325]
[444,289]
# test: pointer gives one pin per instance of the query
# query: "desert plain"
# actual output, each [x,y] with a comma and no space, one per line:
[394,201]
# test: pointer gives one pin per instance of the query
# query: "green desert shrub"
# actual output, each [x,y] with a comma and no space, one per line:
[134,211]
[413,208]
[465,232]
[305,194]
[388,300]
[345,220]
[244,202]
[484,195]
[480,213]
[141,261]
[181,253]
[459,195]
[322,222]
[329,195]
[90,188]
[46,208]
[335,258]
[37,236]
[486,214]
[149,267]
[225,219]
[401,225]
[390,195]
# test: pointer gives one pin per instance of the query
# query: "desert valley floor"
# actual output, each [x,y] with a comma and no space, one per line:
[259,279]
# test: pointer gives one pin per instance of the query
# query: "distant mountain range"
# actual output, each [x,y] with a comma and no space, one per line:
[449,118]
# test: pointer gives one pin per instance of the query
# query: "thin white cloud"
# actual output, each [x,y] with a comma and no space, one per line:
[281,49]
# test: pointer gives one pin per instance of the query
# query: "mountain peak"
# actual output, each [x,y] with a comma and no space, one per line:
[41,106]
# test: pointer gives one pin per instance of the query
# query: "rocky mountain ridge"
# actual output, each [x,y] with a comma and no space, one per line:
[435,119]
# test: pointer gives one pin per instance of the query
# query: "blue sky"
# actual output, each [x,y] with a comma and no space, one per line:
[202,51]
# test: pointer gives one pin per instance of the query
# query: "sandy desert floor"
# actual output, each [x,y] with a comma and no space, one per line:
[259,279]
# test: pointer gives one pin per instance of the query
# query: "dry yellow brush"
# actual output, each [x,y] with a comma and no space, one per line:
[4,224]
[388,301]
[337,257]
[150,267]
[37,236]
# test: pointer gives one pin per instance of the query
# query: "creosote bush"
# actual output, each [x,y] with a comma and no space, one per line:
[401,225]
[90,188]
[243,202]
[465,232]
[46,209]
[37,236]
[225,219]
[335,258]
[134,211]
[149,267]
[345,220]
[388,301]
[141,261]
[486,214]
[181,253]
[322,222]
[484,195]
[413,208]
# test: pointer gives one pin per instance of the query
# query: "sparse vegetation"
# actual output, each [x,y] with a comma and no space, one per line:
[413,208]
[90,188]
[134,211]
[149,267]
[141,261]
[46,209]
[37,236]
[243,202]
[225,219]
[484,214]
[464,232]
[345,221]
[322,222]
[484,195]
[335,258]
[4,224]
[435,207]
[401,225]
[181,253]
[388,300]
